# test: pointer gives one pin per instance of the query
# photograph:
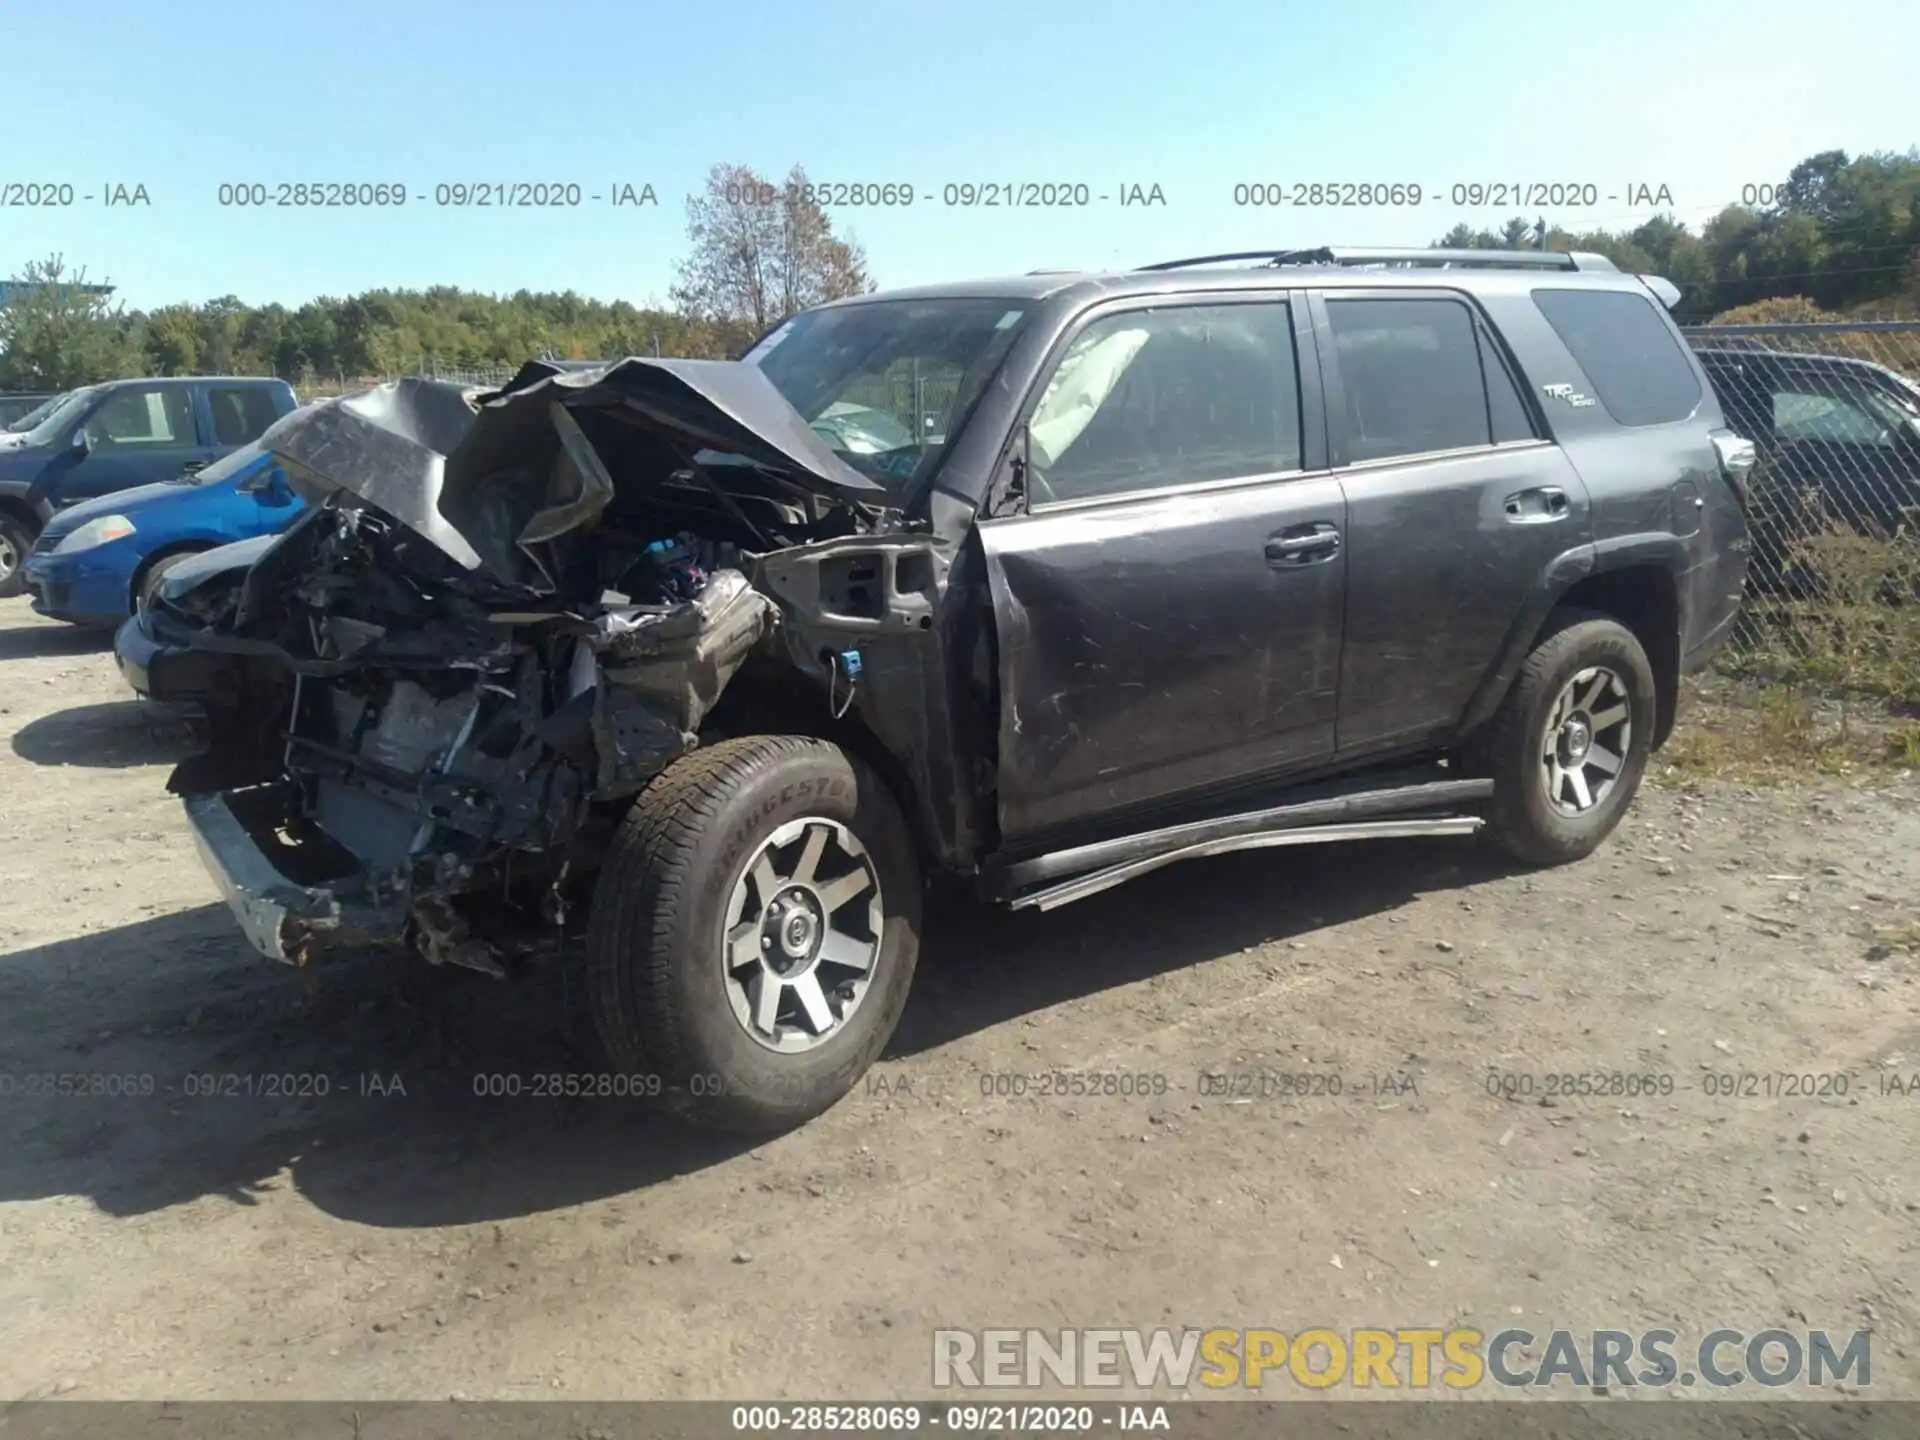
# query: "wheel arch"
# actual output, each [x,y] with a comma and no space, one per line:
[168,551]
[1634,580]
[15,507]
[761,704]
[1645,598]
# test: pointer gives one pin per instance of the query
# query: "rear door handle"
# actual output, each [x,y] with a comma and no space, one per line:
[1304,544]
[1537,506]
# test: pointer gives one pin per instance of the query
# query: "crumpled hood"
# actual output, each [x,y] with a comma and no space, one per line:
[426,451]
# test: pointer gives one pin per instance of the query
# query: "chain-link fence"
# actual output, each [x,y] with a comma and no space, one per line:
[486,377]
[491,377]
[1833,593]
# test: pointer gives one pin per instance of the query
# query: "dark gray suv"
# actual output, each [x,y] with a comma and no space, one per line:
[1115,570]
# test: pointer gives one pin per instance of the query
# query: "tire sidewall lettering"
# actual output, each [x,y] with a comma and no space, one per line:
[832,794]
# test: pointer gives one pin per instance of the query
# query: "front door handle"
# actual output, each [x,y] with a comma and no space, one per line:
[1537,506]
[1303,544]
[194,467]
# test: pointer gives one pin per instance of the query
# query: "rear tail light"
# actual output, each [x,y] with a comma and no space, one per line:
[1736,455]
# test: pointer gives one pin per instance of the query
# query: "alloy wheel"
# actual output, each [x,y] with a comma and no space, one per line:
[1587,736]
[802,937]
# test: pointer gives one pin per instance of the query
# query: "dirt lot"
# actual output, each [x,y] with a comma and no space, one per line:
[435,1242]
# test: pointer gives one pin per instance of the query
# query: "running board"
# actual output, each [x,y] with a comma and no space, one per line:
[1081,886]
[1356,798]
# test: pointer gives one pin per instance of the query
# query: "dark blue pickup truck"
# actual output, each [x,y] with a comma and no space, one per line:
[119,434]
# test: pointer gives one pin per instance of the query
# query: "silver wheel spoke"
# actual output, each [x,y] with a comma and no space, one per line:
[814,1001]
[1605,760]
[816,846]
[763,994]
[836,893]
[1559,711]
[765,882]
[1581,795]
[846,950]
[743,944]
[1608,718]
[1599,685]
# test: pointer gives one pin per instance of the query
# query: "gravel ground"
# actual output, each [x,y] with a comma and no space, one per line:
[402,1237]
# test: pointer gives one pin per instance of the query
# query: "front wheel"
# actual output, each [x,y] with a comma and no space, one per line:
[1570,743]
[148,584]
[754,930]
[16,539]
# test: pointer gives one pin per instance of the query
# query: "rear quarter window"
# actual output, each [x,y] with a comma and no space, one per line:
[1633,360]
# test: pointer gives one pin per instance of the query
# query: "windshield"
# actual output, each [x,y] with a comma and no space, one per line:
[227,466]
[34,416]
[1909,392]
[73,403]
[887,383]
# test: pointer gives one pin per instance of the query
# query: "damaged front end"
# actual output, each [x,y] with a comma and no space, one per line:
[501,617]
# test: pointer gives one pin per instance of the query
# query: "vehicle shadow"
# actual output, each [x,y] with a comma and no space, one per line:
[375,1090]
[112,735]
[981,965]
[186,1066]
[50,640]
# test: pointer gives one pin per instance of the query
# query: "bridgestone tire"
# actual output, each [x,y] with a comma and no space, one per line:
[657,986]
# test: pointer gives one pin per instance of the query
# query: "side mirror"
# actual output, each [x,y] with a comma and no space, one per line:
[80,441]
[270,487]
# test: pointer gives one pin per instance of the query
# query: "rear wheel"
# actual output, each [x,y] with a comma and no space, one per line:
[16,539]
[754,930]
[1569,745]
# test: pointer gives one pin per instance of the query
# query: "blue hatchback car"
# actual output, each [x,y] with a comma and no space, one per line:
[93,561]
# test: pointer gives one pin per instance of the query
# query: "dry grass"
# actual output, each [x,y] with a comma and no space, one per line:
[1771,733]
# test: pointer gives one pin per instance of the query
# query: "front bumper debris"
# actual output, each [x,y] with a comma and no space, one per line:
[283,918]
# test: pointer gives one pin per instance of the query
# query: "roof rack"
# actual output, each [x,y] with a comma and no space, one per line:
[1443,259]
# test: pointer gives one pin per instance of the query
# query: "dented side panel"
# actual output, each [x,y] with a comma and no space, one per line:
[1151,649]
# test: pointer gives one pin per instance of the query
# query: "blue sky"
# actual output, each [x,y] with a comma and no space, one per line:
[1194,97]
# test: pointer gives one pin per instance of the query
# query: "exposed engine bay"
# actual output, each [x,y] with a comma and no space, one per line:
[503,614]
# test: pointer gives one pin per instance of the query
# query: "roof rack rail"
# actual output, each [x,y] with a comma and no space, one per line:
[1444,259]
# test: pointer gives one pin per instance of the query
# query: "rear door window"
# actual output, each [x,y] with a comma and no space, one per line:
[1631,357]
[241,413]
[1511,419]
[1410,376]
